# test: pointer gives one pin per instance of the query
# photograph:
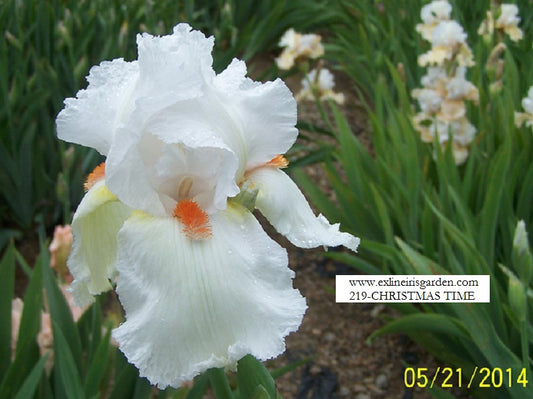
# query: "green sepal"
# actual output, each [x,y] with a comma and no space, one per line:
[251,374]
[247,196]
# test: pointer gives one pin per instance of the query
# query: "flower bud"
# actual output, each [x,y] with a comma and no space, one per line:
[60,248]
[61,188]
[517,298]
[516,294]
[521,254]
[68,158]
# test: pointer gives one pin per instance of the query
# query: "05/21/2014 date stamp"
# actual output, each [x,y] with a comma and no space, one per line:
[481,377]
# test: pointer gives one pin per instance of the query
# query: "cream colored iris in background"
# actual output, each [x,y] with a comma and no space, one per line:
[297,46]
[508,21]
[168,216]
[445,89]
[320,83]
[526,117]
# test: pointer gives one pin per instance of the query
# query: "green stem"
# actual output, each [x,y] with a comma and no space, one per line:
[220,384]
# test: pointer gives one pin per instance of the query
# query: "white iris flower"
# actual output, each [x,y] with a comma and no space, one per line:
[526,117]
[319,82]
[508,21]
[189,153]
[298,46]
[432,14]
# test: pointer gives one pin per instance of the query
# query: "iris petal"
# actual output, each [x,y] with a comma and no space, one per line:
[172,67]
[147,173]
[192,305]
[94,227]
[92,117]
[286,208]
[266,113]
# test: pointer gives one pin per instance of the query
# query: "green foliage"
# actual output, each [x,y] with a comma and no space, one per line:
[254,380]
[46,51]
[7,274]
[82,362]
[369,33]
[416,211]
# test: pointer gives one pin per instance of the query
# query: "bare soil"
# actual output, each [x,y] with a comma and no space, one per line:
[333,338]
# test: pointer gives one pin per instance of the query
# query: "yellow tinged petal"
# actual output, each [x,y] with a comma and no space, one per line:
[95,226]
[452,110]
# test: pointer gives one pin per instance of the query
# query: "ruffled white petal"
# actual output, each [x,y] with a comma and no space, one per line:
[94,227]
[436,11]
[147,169]
[173,68]
[204,174]
[286,208]
[192,305]
[92,117]
[265,112]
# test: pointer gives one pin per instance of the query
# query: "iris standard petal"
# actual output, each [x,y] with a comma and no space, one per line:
[173,68]
[266,113]
[192,305]
[94,227]
[92,117]
[176,64]
[148,173]
[286,208]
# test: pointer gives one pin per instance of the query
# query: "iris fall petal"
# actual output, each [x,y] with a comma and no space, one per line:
[192,305]
[286,208]
[94,227]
